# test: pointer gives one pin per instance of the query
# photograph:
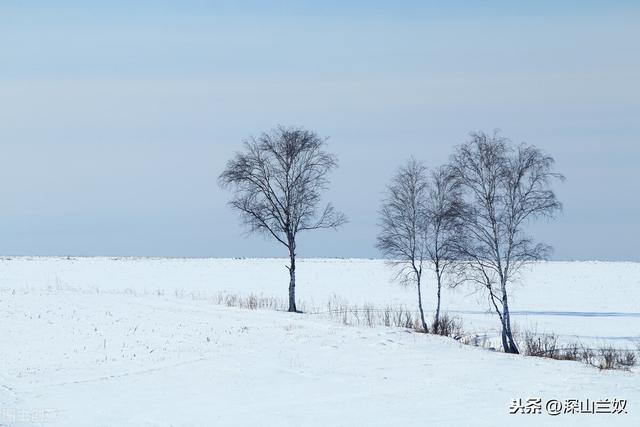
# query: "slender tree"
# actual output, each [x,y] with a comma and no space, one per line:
[505,188]
[403,237]
[444,231]
[419,222]
[277,183]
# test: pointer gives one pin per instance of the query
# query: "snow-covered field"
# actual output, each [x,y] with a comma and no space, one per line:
[138,342]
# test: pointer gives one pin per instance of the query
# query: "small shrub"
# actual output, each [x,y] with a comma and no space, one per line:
[628,359]
[608,358]
[587,356]
[386,316]
[448,326]
[613,358]
[369,313]
[541,345]
[569,352]
[252,302]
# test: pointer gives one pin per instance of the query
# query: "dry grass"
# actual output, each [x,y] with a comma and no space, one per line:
[547,345]
[368,315]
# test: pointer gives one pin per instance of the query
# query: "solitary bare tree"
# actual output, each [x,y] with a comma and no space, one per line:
[276,184]
[505,187]
[402,236]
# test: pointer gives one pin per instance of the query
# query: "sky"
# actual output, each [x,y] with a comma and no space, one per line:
[117,117]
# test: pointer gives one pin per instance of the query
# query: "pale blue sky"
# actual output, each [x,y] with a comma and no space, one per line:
[116,117]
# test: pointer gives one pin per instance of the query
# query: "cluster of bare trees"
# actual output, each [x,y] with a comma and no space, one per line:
[467,219]
[419,227]
[463,221]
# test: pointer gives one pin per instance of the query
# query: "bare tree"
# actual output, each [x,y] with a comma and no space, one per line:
[505,187]
[276,184]
[402,236]
[420,228]
[443,234]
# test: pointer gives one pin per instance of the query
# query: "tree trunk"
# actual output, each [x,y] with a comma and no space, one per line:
[436,319]
[503,335]
[291,240]
[508,343]
[424,323]
[292,283]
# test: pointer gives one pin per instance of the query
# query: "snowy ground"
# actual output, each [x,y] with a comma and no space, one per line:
[135,342]
[597,303]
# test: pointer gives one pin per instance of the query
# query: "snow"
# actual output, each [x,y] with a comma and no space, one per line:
[136,342]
